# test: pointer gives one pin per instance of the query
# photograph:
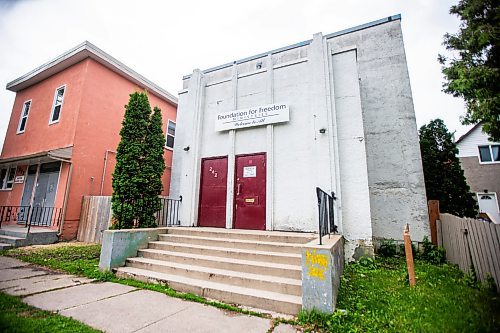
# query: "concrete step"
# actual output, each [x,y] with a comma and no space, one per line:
[235,278]
[21,233]
[256,235]
[14,241]
[249,266]
[233,243]
[37,235]
[266,300]
[221,251]
[4,246]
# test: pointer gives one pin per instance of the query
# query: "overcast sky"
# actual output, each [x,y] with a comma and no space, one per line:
[164,40]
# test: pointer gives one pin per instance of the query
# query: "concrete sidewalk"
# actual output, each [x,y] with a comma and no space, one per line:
[113,307]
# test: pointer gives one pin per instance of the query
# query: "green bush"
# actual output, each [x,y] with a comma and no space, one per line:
[431,253]
[387,248]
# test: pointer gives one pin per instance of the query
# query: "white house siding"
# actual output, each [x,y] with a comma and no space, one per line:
[481,177]
[355,86]
[468,146]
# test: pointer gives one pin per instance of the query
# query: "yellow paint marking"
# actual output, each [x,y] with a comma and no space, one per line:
[317,264]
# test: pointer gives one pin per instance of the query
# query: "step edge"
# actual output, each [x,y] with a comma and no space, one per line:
[216,285]
[225,272]
[229,240]
[265,264]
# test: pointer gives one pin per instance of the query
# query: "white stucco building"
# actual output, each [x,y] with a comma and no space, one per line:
[255,137]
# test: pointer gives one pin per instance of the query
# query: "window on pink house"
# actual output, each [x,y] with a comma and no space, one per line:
[24,117]
[7,176]
[55,115]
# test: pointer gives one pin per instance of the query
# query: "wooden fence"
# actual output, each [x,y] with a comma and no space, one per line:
[95,217]
[471,243]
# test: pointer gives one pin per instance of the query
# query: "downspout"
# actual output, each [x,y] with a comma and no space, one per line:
[104,168]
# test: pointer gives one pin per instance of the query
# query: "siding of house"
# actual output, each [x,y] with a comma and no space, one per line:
[90,121]
[99,122]
[39,136]
[479,176]
[468,146]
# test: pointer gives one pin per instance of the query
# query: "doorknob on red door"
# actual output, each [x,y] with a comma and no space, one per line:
[238,188]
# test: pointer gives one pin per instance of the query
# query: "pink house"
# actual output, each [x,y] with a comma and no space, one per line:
[63,133]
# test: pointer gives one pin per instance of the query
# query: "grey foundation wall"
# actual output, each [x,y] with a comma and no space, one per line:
[395,175]
[481,177]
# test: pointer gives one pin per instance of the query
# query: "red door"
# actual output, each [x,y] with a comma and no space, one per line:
[250,192]
[213,189]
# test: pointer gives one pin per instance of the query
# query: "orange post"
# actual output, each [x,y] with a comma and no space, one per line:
[433,206]
[409,256]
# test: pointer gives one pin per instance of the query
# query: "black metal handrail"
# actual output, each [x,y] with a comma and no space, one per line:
[31,216]
[326,214]
[168,215]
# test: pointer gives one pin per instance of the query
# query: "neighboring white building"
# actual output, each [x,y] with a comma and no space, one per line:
[480,160]
[255,137]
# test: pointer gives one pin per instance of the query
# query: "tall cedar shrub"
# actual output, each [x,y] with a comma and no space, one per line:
[444,177]
[471,70]
[153,168]
[138,171]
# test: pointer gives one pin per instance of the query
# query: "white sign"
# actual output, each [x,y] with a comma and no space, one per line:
[254,116]
[249,171]
[19,179]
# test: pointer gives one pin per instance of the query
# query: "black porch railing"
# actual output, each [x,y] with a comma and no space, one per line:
[326,214]
[168,215]
[31,216]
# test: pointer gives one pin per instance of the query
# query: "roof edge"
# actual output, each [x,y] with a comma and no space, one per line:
[468,133]
[100,56]
[306,42]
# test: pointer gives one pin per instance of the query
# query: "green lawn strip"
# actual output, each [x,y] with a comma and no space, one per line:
[376,298]
[374,294]
[15,316]
[83,260]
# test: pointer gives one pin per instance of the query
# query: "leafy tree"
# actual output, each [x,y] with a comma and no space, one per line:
[138,171]
[473,71]
[153,168]
[444,177]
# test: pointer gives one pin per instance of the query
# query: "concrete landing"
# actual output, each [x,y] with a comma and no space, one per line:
[17,236]
[103,305]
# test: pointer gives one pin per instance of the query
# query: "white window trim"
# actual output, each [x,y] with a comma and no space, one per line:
[54,105]
[4,182]
[494,194]
[166,134]
[491,153]
[21,117]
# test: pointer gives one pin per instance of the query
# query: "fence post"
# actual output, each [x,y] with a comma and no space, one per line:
[433,206]
[409,256]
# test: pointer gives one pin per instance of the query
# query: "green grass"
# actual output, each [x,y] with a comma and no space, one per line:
[83,260]
[15,316]
[376,297]
[374,294]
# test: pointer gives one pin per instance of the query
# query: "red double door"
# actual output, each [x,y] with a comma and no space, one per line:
[249,205]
